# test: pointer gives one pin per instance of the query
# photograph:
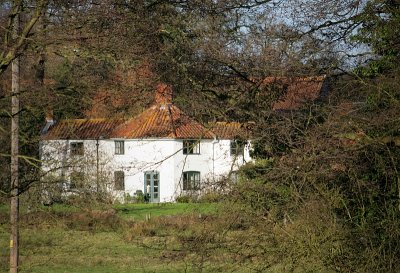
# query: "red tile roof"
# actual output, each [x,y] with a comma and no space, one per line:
[159,121]
[162,121]
[231,130]
[299,90]
[82,129]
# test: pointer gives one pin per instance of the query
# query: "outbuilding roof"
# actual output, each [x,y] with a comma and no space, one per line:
[298,90]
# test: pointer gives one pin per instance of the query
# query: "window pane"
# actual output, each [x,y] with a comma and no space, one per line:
[185,181]
[147,184]
[191,146]
[119,147]
[76,148]
[196,147]
[191,181]
[185,147]
[237,147]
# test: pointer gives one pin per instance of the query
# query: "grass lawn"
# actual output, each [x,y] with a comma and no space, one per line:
[57,250]
[83,251]
[50,243]
[139,212]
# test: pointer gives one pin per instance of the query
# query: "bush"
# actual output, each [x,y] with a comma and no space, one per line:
[184,199]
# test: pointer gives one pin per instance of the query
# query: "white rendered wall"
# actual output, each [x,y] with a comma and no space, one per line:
[141,156]
[202,162]
[162,155]
[224,162]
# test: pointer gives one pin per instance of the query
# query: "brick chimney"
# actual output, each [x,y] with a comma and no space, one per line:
[163,94]
[49,121]
[49,115]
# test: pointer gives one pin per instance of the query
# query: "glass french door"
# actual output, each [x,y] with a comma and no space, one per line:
[152,186]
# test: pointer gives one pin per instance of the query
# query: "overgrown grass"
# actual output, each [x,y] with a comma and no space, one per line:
[60,250]
[68,239]
[139,212]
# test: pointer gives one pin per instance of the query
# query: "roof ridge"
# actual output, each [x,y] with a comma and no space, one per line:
[164,121]
[90,119]
[171,118]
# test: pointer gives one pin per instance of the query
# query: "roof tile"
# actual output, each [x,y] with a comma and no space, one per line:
[158,121]
[231,130]
[82,129]
[299,90]
[162,121]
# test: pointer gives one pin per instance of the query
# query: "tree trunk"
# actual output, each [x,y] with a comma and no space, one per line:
[14,211]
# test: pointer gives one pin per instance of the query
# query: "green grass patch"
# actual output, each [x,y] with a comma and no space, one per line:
[58,250]
[139,212]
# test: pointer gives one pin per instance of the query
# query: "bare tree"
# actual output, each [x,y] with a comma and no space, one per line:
[14,45]
[14,213]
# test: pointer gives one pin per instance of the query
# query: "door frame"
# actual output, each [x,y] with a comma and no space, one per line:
[153,195]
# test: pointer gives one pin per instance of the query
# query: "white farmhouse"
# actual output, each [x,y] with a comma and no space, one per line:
[162,153]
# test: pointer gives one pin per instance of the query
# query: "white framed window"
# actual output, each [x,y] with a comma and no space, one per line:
[191,146]
[76,148]
[237,147]
[119,180]
[119,147]
[191,181]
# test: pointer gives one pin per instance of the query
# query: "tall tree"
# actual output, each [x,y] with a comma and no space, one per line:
[15,40]
[13,46]
[14,210]
[380,30]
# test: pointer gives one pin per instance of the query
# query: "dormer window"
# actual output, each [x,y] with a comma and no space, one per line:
[191,146]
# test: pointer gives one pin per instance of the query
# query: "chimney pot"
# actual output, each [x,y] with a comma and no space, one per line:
[49,116]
